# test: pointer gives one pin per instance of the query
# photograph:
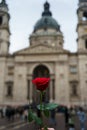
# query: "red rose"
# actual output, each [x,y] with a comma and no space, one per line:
[41,83]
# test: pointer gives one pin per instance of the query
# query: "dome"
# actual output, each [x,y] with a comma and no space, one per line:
[46,21]
[82,0]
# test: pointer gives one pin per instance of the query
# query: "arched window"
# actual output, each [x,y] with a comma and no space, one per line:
[74,89]
[86,43]
[9,89]
[84,16]
[0,20]
[60,44]
[41,71]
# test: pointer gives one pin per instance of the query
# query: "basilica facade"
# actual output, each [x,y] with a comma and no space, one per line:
[45,57]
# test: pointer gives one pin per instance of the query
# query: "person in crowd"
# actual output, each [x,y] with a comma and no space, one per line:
[52,117]
[82,117]
[4,111]
[21,111]
[1,112]
[8,112]
[12,111]
[66,114]
[25,114]
[71,121]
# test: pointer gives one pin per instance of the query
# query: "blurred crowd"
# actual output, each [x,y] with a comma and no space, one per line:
[12,112]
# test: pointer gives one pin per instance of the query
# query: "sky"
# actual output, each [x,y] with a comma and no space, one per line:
[25,13]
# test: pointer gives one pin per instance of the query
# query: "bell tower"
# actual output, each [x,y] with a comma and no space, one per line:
[82,26]
[4,28]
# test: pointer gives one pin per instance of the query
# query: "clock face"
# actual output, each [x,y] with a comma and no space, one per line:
[85,29]
[53,44]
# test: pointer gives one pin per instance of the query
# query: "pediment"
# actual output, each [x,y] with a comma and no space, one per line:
[40,48]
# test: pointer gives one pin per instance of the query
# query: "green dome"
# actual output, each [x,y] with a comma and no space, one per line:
[46,21]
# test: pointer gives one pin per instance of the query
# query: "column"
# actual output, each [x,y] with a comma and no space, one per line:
[28,89]
[31,91]
[51,91]
[53,88]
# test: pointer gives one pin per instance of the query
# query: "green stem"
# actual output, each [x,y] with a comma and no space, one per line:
[41,96]
[41,108]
